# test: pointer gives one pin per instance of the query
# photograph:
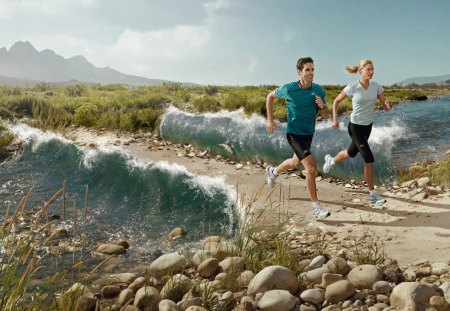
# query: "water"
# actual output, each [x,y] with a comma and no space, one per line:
[141,201]
[410,132]
[128,198]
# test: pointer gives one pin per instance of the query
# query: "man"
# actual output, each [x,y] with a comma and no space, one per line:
[303,100]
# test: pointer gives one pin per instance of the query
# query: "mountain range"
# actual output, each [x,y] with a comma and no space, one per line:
[445,79]
[23,65]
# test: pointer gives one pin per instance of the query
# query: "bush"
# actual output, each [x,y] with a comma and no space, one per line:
[206,103]
[76,90]
[86,114]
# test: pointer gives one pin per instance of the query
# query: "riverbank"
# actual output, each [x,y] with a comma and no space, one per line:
[410,230]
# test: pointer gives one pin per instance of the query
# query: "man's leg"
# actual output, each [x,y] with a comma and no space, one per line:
[288,164]
[311,169]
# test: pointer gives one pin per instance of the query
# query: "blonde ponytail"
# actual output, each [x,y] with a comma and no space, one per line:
[355,69]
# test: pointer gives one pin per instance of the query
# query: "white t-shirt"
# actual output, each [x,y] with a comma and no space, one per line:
[363,101]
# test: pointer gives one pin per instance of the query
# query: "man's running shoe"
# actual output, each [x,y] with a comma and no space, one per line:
[271,175]
[375,198]
[328,165]
[319,212]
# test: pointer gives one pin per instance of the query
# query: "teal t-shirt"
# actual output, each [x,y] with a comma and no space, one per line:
[301,106]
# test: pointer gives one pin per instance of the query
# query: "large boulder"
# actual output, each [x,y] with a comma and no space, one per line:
[167,264]
[273,277]
[364,276]
[412,295]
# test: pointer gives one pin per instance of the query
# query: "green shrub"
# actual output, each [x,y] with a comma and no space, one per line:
[440,172]
[234,101]
[76,90]
[206,103]
[86,114]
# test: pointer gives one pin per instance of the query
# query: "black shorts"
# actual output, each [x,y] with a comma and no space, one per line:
[301,144]
[360,136]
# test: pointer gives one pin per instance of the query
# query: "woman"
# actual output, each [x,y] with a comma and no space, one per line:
[364,93]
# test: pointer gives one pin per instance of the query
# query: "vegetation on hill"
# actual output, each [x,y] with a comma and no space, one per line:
[117,107]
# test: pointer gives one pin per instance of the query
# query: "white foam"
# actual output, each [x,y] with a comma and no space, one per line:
[27,133]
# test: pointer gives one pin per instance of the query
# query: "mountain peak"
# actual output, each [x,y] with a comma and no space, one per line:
[22,46]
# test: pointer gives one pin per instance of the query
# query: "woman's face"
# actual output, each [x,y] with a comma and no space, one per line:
[367,71]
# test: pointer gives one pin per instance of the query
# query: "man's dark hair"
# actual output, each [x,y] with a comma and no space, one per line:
[302,61]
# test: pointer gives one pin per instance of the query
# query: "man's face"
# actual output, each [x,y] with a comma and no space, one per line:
[307,73]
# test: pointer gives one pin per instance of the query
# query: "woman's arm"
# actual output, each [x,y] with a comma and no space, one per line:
[383,101]
[336,103]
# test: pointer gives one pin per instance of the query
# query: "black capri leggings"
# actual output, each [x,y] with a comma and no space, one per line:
[360,136]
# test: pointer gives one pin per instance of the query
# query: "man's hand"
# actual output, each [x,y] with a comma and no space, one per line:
[270,125]
[320,103]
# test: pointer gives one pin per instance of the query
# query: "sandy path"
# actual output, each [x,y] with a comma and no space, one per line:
[411,230]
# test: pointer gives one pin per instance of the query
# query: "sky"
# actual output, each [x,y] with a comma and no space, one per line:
[239,42]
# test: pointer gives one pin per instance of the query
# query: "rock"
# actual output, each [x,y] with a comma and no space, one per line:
[85,298]
[124,244]
[409,184]
[439,268]
[312,296]
[338,265]
[339,291]
[208,267]
[363,276]
[330,278]
[167,264]
[137,283]
[317,262]
[381,287]
[409,275]
[177,232]
[200,256]
[446,289]
[167,305]
[314,276]
[110,291]
[176,287]
[125,296]
[439,303]
[130,308]
[232,264]
[124,277]
[111,249]
[423,181]
[245,278]
[273,277]
[277,300]
[196,308]
[378,307]
[147,297]
[212,238]
[412,295]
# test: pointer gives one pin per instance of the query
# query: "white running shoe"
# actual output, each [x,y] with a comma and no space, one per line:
[319,212]
[328,165]
[271,177]
[376,199]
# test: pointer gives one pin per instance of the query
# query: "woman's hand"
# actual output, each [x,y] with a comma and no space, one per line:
[388,105]
[335,124]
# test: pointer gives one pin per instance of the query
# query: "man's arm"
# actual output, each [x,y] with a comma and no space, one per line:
[269,107]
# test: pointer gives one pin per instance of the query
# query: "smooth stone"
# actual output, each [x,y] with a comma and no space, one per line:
[147,296]
[339,291]
[273,277]
[277,300]
[314,276]
[208,267]
[111,249]
[176,287]
[338,265]
[313,296]
[381,287]
[167,305]
[364,276]
[167,264]
[232,264]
